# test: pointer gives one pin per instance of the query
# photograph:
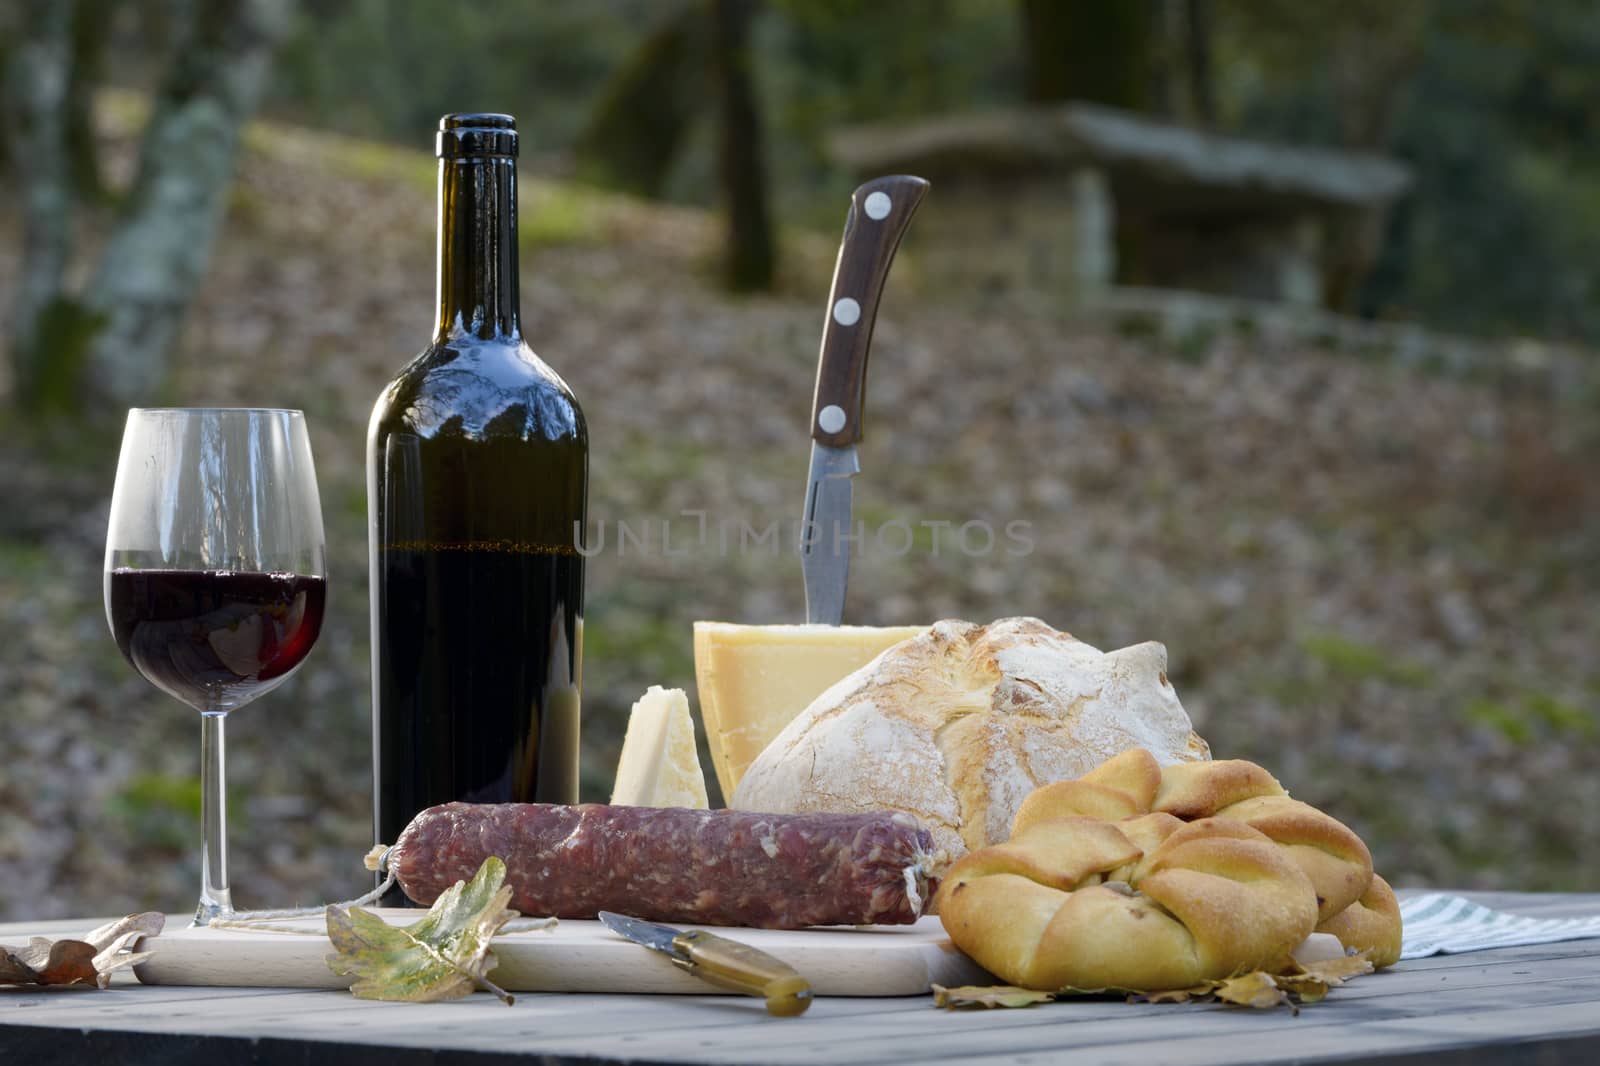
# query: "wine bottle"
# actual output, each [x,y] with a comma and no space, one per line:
[477,481]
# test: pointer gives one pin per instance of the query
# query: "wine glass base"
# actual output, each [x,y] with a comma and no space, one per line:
[209,909]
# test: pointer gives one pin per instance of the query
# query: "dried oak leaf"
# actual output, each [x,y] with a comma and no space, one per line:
[1310,982]
[13,970]
[1258,989]
[443,956]
[988,996]
[65,962]
[1335,972]
[1307,983]
[89,961]
[1176,995]
[1303,988]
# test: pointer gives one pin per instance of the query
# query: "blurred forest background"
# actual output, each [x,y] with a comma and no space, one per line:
[1365,530]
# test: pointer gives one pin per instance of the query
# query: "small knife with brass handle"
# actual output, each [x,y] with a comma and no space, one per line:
[721,962]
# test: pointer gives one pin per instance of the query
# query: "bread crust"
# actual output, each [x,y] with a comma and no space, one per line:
[958,725]
[1134,783]
[1370,924]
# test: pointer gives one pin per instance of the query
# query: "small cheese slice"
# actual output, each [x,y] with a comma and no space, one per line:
[754,680]
[659,766]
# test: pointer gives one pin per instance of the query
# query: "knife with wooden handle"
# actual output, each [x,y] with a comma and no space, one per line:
[880,212]
[721,962]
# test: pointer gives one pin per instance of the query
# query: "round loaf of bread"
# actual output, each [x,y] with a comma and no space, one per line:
[958,725]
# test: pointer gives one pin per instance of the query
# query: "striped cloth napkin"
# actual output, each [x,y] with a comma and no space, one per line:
[1437,924]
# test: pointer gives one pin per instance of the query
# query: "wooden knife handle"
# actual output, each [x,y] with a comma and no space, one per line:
[742,968]
[880,211]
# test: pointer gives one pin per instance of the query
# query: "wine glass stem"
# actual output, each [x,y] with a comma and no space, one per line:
[215,899]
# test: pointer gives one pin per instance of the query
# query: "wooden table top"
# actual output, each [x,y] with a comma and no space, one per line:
[1514,1005]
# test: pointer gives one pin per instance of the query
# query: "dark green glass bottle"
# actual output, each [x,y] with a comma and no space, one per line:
[477,481]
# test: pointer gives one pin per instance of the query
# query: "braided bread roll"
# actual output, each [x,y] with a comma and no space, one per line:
[1151,903]
[1352,902]
[1370,924]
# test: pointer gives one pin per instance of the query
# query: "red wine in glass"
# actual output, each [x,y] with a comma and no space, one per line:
[214,637]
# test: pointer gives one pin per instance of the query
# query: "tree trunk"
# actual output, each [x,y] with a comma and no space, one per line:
[90,23]
[1202,84]
[1168,61]
[1095,50]
[10,34]
[643,116]
[39,70]
[156,256]
[1374,58]
[750,246]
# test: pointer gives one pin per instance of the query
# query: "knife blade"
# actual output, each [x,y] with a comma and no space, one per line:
[880,212]
[721,962]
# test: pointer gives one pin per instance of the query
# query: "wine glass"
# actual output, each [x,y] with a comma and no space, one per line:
[216,575]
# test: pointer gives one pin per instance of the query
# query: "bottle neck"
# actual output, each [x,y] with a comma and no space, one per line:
[478,247]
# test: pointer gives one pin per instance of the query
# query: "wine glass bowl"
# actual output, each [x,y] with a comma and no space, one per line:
[215,573]
[215,639]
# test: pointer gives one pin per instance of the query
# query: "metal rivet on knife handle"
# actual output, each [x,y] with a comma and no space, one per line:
[831,419]
[883,208]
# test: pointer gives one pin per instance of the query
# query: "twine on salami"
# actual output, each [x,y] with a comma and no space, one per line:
[373,860]
[913,875]
[922,875]
[376,860]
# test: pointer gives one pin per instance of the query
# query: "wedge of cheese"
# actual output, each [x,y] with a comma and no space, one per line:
[659,766]
[754,680]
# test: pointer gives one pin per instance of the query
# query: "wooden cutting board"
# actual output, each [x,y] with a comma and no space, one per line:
[576,956]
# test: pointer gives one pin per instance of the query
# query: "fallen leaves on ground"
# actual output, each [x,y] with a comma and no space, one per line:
[1313,981]
[1296,985]
[444,956]
[1259,989]
[988,996]
[86,962]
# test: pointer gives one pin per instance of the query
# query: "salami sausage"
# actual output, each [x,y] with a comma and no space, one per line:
[667,864]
